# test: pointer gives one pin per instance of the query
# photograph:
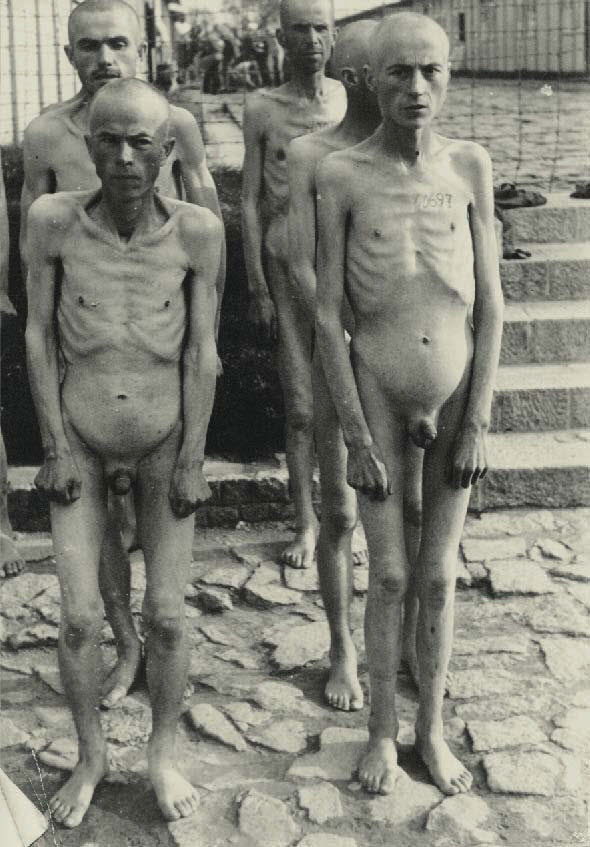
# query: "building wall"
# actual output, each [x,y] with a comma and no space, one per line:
[508,36]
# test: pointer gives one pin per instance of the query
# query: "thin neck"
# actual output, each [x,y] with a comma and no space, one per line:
[308,85]
[409,145]
[128,215]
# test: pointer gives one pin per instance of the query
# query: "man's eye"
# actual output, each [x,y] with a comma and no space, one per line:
[118,43]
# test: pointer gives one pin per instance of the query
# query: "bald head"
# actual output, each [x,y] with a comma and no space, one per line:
[407,30]
[130,96]
[89,7]
[352,49]
[290,9]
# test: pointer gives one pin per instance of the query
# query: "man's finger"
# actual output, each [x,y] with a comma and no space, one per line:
[74,487]
[466,477]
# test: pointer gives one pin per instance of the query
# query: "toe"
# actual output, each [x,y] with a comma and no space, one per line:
[182,807]
[356,704]
[74,818]
[388,782]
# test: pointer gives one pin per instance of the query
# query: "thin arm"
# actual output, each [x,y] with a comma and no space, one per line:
[200,354]
[333,210]
[41,329]
[251,194]
[489,304]
[198,183]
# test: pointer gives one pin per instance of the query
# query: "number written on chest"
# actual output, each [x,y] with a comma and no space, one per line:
[437,200]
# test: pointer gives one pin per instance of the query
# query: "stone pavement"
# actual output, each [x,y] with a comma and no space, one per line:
[275,767]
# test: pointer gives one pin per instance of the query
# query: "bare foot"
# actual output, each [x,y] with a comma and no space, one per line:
[121,678]
[176,797]
[301,551]
[71,802]
[360,554]
[378,769]
[447,772]
[11,562]
[343,690]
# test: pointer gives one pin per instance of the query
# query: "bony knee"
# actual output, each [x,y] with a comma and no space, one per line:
[300,420]
[167,628]
[340,520]
[437,591]
[393,586]
[82,629]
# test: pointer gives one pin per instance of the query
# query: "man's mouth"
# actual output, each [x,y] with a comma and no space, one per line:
[107,75]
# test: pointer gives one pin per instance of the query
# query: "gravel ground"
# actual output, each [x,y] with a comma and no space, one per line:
[274,767]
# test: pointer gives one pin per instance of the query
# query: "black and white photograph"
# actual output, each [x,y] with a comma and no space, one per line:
[295,423]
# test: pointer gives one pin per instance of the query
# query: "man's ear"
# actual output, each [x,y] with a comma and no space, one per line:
[349,76]
[369,77]
[167,147]
[68,50]
[141,47]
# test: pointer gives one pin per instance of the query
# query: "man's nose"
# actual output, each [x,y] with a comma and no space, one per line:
[312,34]
[125,153]
[105,55]
[417,82]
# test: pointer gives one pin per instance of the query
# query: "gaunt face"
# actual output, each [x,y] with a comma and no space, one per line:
[128,144]
[410,76]
[307,34]
[104,45]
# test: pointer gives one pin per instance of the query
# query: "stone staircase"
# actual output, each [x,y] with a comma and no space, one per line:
[540,440]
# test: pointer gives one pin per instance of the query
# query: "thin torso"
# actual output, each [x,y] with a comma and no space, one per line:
[410,276]
[122,319]
[287,117]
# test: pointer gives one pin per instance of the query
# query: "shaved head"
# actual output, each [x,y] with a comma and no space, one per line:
[405,28]
[289,7]
[353,47]
[88,7]
[130,93]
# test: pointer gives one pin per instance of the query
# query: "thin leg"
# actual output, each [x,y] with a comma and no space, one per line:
[334,547]
[78,531]
[412,533]
[167,543]
[295,353]
[444,515]
[11,562]
[388,575]
[115,587]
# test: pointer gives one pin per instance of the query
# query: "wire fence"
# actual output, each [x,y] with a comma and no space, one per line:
[520,87]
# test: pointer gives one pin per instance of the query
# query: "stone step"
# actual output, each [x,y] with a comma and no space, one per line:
[546,331]
[556,271]
[534,398]
[542,469]
[562,218]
